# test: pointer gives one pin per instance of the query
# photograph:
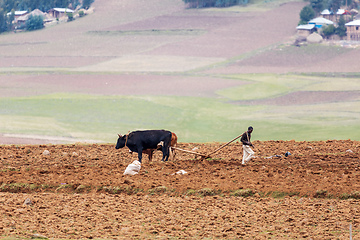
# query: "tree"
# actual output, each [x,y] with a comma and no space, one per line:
[317,5]
[34,23]
[3,24]
[87,3]
[341,29]
[328,31]
[10,19]
[334,5]
[214,3]
[306,14]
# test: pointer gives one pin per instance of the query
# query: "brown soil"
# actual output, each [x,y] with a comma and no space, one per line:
[79,191]
[113,85]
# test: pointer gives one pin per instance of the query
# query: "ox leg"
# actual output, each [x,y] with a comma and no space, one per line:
[165,150]
[172,154]
[140,155]
[151,152]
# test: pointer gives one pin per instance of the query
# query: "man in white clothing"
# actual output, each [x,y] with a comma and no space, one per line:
[248,153]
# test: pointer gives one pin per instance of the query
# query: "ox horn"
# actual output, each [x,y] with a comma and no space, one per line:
[119,135]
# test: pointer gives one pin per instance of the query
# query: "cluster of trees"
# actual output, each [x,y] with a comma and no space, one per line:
[7,6]
[214,3]
[315,7]
[340,30]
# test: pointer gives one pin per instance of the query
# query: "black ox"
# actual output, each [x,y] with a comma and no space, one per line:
[138,141]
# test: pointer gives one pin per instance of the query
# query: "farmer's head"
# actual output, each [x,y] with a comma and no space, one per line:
[250,129]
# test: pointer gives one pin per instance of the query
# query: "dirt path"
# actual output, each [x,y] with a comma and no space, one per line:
[79,191]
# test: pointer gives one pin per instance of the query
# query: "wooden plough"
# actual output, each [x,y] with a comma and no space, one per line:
[209,155]
[187,151]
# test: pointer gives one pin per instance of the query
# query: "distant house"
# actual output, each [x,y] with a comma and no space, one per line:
[25,17]
[59,12]
[320,21]
[19,23]
[327,14]
[306,30]
[342,12]
[17,14]
[353,30]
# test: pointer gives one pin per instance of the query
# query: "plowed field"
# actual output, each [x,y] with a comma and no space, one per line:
[79,191]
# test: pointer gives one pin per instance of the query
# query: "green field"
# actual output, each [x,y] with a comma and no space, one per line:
[194,119]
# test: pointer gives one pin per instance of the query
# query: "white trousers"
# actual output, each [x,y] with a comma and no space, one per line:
[248,154]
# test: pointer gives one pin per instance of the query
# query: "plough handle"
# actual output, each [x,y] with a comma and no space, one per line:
[225,145]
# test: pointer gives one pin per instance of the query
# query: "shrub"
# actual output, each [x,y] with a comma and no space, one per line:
[243,193]
[70,16]
[322,194]
[190,192]
[34,23]
[160,189]
[328,31]
[206,192]
[354,195]
[214,3]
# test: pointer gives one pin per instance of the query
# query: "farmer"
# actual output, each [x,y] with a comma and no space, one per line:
[248,153]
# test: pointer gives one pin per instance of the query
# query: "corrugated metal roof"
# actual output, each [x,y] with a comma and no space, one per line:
[340,11]
[18,13]
[353,23]
[320,20]
[305,27]
[63,10]
[326,12]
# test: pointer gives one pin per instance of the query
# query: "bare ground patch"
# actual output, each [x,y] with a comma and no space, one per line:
[151,63]
[125,84]
[50,61]
[307,59]
[232,35]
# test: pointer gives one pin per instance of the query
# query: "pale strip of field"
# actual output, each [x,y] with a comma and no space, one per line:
[147,63]
[255,6]
[266,86]
[49,138]
[194,119]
